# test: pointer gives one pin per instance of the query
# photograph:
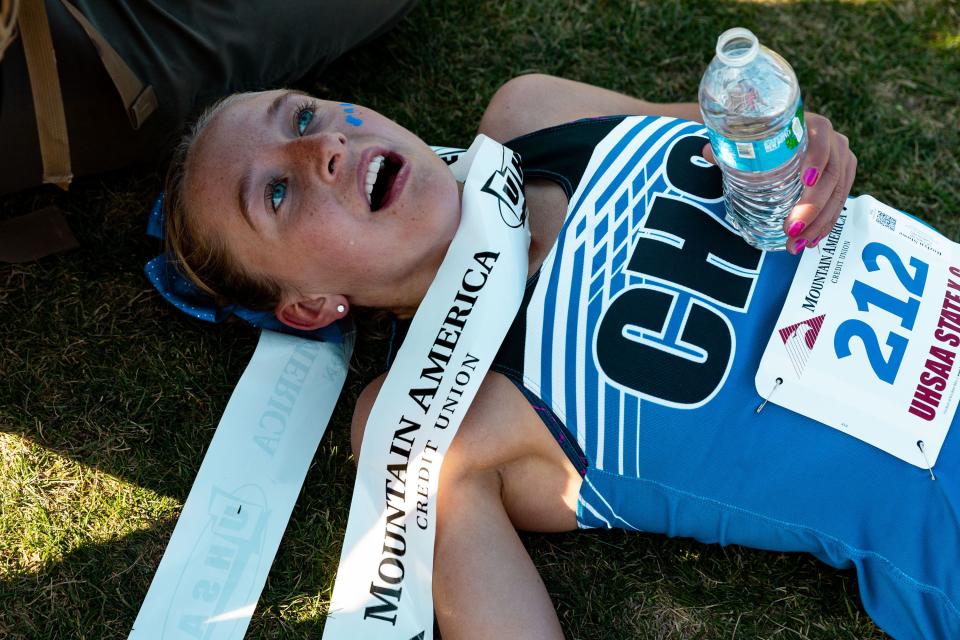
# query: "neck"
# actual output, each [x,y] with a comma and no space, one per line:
[405,309]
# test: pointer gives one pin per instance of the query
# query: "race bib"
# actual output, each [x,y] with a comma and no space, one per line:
[868,337]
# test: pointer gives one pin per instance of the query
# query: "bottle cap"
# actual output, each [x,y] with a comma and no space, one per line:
[737,47]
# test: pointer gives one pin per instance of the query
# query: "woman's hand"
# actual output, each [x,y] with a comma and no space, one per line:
[827,173]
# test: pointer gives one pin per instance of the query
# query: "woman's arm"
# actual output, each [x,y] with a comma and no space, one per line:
[536,101]
[484,583]
[497,472]
[532,102]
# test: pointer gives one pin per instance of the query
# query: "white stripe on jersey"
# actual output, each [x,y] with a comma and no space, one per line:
[589,430]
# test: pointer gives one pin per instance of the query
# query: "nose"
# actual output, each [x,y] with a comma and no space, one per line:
[322,153]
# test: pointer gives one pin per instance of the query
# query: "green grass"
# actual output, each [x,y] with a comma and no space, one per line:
[109,398]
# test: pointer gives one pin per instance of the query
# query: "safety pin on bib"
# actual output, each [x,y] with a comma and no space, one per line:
[925,459]
[777,383]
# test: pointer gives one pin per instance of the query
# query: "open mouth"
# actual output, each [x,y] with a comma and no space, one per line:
[381,176]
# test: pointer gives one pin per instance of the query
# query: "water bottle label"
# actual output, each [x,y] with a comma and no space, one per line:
[761,155]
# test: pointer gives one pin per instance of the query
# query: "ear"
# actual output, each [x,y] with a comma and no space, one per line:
[307,314]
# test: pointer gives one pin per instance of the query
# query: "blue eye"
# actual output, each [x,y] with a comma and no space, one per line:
[303,117]
[276,190]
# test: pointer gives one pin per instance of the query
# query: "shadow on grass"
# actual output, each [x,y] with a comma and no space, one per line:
[676,589]
[92,592]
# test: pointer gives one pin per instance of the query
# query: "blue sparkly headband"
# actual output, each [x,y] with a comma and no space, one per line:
[163,273]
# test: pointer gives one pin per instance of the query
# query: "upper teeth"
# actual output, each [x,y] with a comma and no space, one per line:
[372,172]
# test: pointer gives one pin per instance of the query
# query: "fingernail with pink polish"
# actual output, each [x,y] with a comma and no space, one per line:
[799,245]
[815,242]
[810,176]
[796,228]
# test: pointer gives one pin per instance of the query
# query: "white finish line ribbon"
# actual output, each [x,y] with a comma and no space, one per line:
[384,583]
[215,566]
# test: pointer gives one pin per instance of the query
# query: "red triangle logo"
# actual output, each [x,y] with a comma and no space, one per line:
[799,338]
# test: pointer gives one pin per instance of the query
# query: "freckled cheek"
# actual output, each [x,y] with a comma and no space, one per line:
[348,248]
[302,253]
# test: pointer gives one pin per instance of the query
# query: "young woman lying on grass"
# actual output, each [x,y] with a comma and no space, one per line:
[269,207]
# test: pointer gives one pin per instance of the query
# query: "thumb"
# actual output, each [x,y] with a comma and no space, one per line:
[707,154]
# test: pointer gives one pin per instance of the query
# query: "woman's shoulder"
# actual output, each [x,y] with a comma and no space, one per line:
[499,426]
[502,436]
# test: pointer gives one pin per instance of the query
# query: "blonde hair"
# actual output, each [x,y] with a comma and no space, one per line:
[204,260]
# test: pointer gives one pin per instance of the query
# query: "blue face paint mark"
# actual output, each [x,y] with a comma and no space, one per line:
[351,119]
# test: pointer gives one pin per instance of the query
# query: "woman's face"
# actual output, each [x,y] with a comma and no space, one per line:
[325,198]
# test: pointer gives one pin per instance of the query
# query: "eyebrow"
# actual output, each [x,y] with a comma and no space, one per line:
[242,199]
[247,180]
[279,100]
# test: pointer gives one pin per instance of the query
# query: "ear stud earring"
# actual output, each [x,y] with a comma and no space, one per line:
[341,308]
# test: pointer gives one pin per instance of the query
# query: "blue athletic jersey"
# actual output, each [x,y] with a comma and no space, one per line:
[638,307]
[641,335]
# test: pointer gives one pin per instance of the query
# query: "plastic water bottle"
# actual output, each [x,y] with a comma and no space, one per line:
[750,102]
